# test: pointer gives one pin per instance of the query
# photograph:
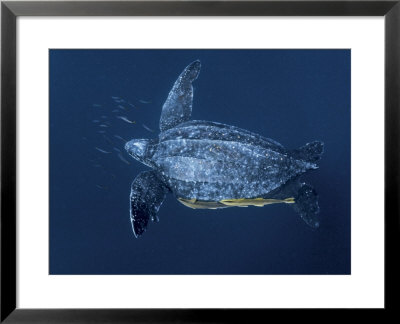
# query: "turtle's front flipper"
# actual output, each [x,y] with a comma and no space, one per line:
[147,194]
[178,106]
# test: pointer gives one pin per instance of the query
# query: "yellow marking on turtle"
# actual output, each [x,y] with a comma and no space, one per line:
[243,202]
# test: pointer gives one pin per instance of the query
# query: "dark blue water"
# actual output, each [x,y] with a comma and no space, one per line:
[291,96]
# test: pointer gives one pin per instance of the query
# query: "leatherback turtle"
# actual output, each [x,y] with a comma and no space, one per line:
[211,165]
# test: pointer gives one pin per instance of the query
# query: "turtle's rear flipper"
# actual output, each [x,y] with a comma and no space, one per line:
[311,152]
[147,194]
[306,204]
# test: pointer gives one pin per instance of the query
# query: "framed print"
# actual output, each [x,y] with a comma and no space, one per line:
[198,187]
[197,161]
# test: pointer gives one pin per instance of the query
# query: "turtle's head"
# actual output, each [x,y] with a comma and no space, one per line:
[141,149]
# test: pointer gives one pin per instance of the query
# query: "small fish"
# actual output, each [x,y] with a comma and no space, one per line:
[103,125]
[96,105]
[95,121]
[102,151]
[122,158]
[126,120]
[115,98]
[131,104]
[122,107]
[119,137]
[144,101]
[101,131]
[104,116]
[101,187]
[115,110]
[147,128]
[108,140]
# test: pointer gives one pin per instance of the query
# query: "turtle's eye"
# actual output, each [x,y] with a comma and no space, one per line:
[137,148]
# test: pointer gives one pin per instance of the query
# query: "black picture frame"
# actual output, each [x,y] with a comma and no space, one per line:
[10,10]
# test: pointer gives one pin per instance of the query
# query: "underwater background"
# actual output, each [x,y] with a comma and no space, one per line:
[101,98]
